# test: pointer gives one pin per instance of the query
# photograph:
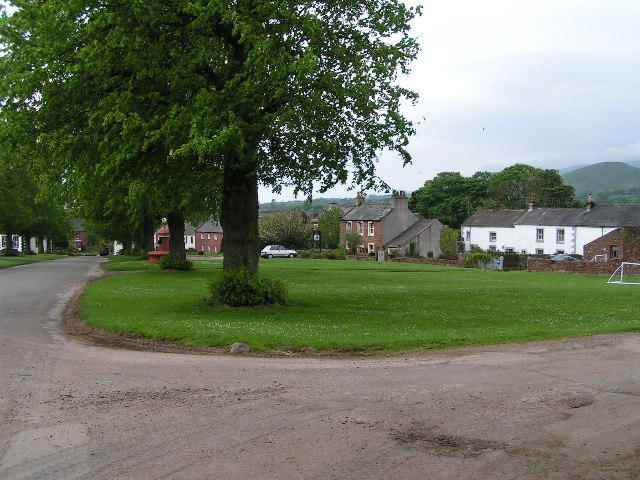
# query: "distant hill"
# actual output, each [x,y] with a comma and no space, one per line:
[609,182]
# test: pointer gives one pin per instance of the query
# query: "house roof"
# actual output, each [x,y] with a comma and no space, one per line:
[77,225]
[410,233]
[598,216]
[210,227]
[373,211]
[494,218]
[189,229]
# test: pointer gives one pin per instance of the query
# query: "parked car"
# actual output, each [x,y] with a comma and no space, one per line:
[271,251]
[563,258]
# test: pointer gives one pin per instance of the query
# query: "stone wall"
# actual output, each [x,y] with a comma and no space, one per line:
[596,268]
[429,261]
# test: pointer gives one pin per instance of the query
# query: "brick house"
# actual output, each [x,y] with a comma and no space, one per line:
[80,235]
[622,244]
[392,226]
[209,237]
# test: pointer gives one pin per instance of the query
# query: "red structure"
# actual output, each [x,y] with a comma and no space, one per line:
[162,249]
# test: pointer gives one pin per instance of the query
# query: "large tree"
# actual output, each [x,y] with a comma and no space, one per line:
[204,100]
[450,197]
[516,186]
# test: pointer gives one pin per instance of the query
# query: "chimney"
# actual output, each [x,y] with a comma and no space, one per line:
[590,203]
[333,205]
[533,205]
[360,199]
[399,200]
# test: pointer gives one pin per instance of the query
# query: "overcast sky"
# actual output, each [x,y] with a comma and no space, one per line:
[550,83]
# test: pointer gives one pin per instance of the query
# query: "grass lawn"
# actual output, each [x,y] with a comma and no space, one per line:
[13,261]
[363,306]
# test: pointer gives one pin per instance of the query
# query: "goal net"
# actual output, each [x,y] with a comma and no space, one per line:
[627,273]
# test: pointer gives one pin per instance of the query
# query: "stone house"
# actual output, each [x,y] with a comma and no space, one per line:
[392,227]
[622,244]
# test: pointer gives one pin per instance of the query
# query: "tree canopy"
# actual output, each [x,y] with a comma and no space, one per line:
[192,103]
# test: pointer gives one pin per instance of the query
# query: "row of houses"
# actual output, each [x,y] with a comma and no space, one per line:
[392,227]
[606,231]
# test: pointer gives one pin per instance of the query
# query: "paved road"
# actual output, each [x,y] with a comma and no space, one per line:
[544,410]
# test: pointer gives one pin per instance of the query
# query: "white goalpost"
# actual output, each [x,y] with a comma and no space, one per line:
[627,273]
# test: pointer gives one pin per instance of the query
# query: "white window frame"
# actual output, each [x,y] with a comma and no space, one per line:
[492,248]
[560,235]
[493,237]
[371,247]
[361,228]
[202,236]
[539,251]
[349,226]
[372,229]
[215,237]
[468,235]
[539,235]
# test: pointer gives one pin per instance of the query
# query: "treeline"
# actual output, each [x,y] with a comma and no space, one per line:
[452,198]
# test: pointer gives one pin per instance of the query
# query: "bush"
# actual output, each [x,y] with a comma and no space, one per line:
[170,263]
[245,289]
[476,259]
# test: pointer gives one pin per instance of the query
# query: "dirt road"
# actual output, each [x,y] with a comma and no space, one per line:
[544,410]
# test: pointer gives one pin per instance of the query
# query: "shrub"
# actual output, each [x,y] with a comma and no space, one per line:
[476,259]
[171,263]
[245,289]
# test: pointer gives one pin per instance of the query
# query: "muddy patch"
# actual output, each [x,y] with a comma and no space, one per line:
[437,443]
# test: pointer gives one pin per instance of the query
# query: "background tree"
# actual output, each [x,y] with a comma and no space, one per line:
[450,197]
[515,186]
[203,101]
[288,228]
[449,242]
[329,226]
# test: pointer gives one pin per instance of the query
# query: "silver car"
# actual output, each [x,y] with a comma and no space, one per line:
[271,251]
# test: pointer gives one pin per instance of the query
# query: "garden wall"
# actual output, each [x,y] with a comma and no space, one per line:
[596,268]
[430,261]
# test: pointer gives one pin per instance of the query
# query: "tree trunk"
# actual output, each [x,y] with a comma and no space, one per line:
[9,251]
[147,234]
[175,222]
[239,217]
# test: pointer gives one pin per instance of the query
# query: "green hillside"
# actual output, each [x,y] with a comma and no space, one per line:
[609,182]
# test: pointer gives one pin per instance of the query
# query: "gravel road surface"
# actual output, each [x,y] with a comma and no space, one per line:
[544,410]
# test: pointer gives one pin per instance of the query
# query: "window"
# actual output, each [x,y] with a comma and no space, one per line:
[349,226]
[539,251]
[4,241]
[361,228]
[560,235]
[202,236]
[372,229]
[208,236]
[493,236]
[191,239]
[16,242]
[215,237]
[540,235]
[509,250]
[492,248]
[215,249]
[615,251]
[371,248]
[468,235]
[559,252]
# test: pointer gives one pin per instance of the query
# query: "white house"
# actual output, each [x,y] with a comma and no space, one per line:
[546,230]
